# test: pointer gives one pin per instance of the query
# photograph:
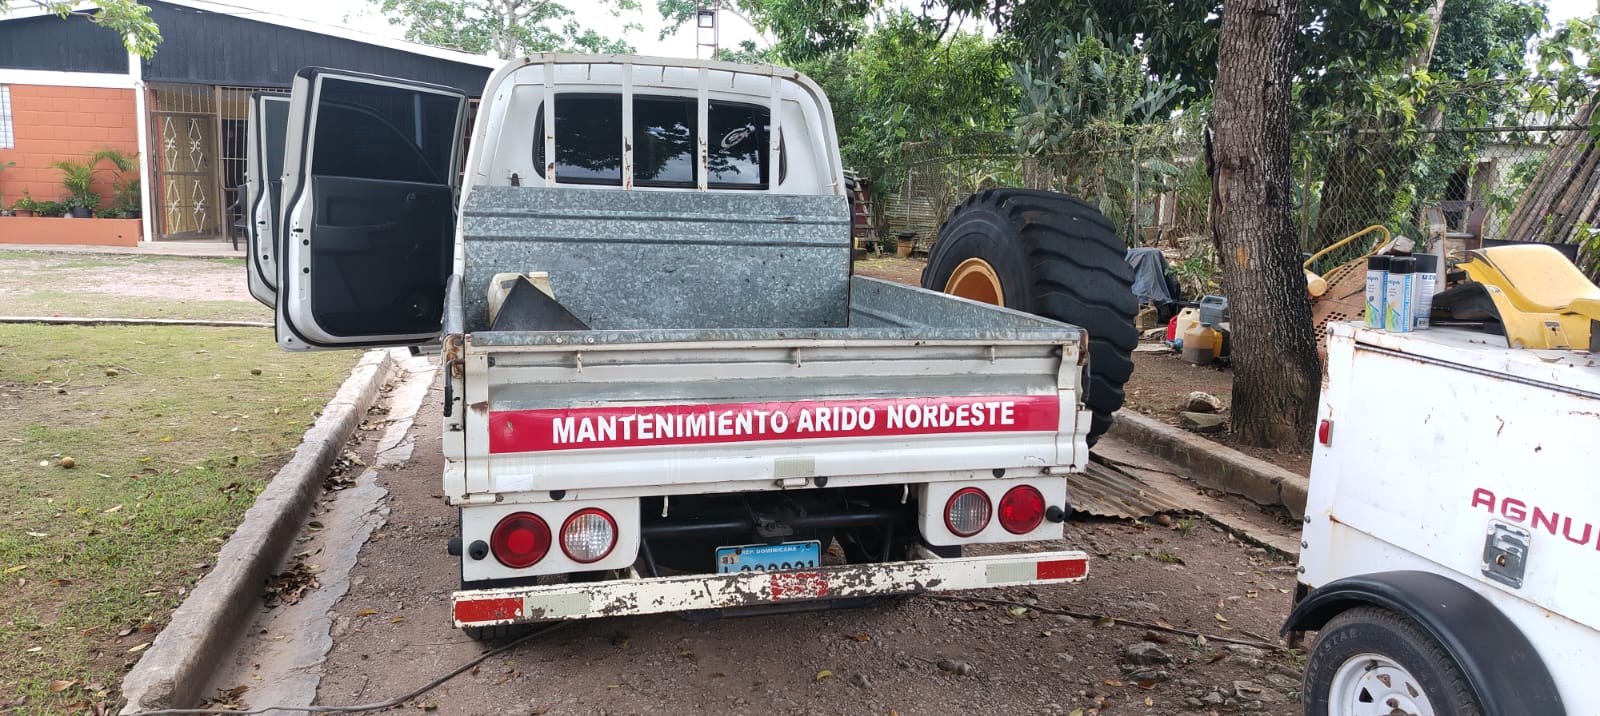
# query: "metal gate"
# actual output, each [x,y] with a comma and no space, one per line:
[199,143]
[184,124]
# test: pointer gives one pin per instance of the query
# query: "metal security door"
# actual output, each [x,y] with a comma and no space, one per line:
[187,189]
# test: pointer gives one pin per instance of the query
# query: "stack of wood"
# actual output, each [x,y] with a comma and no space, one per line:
[1562,202]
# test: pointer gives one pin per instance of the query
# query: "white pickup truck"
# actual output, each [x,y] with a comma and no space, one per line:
[664,390]
[1451,548]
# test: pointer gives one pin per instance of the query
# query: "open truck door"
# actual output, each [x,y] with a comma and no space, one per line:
[365,237]
[268,117]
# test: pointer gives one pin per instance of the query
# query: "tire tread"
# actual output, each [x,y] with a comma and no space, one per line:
[1462,699]
[1077,272]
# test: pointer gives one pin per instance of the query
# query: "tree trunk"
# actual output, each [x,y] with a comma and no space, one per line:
[501,39]
[1275,367]
[1423,57]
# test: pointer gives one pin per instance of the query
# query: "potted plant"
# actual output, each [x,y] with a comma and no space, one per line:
[77,176]
[125,193]
[49,208]
[126,199]
[25,206]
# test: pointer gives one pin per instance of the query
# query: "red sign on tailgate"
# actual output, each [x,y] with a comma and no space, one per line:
[652,425]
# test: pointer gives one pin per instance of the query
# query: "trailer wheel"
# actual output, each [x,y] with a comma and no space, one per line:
[1370,660]
[1054,256]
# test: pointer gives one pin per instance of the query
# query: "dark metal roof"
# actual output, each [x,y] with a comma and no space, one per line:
[214,44]
[218,48]
[51,43]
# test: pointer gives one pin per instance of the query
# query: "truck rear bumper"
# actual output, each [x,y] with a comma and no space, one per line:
[515,605]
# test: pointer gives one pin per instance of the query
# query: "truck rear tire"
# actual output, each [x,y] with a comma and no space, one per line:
[1371,658]
[1054,256]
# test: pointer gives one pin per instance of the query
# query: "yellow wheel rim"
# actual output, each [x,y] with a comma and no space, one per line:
[976,280]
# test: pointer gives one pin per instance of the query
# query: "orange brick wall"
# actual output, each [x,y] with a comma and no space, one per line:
[52,123]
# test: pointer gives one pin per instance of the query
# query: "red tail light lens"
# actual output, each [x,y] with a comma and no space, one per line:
[967,512]
[520,540]
[1021,510]
[588,535]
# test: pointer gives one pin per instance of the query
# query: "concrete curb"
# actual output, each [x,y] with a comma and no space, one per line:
[176,669]
[1214,465]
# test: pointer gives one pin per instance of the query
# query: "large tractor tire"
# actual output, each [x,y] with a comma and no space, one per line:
[1050,255]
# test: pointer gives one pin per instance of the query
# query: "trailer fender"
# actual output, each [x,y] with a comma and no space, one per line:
[1506,673]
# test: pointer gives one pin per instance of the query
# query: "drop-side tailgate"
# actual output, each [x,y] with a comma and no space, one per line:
[725,416]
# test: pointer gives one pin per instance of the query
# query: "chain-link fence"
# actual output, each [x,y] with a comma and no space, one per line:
[1464,182]
[1148,180]
[1151,182]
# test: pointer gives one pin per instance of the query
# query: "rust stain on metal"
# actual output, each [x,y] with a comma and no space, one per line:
[453,345]
[481,406]
[623,604]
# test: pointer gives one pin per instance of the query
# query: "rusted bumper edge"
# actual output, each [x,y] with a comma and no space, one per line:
[515,605]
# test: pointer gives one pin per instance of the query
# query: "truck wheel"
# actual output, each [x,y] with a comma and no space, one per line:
[1054,256]
[1373,661]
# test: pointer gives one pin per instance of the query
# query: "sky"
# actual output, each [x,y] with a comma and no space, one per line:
[360,15]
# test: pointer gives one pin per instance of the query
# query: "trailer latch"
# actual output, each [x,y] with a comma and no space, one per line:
[1505,554]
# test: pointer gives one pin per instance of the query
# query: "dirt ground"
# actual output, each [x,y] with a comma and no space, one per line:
[1163,380]
[889,268]
[392,633]
[125,286]
[1160,382]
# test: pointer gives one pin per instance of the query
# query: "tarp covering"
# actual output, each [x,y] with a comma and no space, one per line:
[1150,276]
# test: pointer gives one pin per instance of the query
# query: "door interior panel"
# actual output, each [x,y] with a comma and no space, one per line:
[381,255]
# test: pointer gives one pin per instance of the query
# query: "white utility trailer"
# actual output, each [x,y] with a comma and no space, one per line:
[1451,551]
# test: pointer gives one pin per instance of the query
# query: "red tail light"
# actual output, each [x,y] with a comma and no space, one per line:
[967,512]
[1021,510]
[520,540]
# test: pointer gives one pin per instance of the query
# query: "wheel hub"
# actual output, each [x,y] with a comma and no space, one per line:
[1375,685]
[976,280]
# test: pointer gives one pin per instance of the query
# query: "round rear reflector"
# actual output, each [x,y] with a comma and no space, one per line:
[588,535]
[1021,510]
[967,512]
[520,540]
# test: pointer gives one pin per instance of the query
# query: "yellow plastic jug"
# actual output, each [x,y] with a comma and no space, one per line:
[1200,344]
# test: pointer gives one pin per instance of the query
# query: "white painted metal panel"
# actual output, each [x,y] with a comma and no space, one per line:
[1440,438]
[477,523]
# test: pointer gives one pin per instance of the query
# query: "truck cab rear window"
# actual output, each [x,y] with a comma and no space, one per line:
[589,142]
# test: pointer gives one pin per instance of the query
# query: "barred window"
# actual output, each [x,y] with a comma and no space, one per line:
[8,139]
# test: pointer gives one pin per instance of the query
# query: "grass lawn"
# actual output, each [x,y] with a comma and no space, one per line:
[171,432]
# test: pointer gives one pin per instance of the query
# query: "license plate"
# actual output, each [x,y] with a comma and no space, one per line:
[769,557]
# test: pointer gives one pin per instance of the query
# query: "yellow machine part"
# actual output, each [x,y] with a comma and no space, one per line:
[1543,300]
